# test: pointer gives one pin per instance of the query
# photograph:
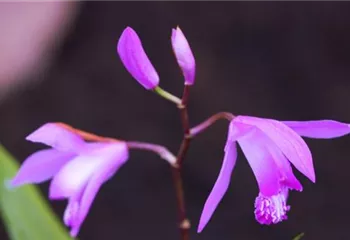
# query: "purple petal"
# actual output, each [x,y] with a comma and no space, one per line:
[73,176]
[319,129]
[135,59]
[287,177]
[71,214]
[220,186]
[41,166]
[57,137]
[259,157]
[290,143]
[184,55]
[115,156]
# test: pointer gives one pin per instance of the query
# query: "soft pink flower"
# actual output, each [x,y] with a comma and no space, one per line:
[77,169]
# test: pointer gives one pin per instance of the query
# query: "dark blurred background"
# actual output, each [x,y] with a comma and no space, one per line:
[282,60]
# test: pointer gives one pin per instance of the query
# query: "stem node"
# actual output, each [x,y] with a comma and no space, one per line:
[185,224]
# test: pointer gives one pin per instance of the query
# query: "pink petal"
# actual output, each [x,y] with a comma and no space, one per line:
[71,211]
[319,129]
[41,166]
[259,157]
[287,177]
[184,55]
[135,59]
[290,143]
[73,176]
[71,214]
[57,137]
[115,157]
[220,186]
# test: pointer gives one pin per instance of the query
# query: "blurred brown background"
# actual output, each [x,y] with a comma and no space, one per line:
[288,61]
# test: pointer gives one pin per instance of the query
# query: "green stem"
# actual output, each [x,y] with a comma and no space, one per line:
[168,96]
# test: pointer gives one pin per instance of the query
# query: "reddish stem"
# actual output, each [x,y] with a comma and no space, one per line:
[158,149]
[210,121]
[184,223]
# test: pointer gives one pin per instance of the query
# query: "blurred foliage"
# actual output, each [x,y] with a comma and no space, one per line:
[24,211]
[299,236]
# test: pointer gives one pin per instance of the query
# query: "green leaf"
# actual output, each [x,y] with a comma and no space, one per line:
[25,212]
[298,237]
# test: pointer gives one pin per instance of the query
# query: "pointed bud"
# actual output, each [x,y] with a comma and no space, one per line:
[135,59]
[183,55]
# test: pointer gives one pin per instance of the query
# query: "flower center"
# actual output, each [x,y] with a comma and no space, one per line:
[271,209]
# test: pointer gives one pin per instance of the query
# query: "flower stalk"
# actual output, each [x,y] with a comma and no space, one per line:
[168,96]
[210,121]
[184,223]
[162,151]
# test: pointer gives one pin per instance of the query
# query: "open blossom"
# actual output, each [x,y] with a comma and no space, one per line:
[135,59]
[77,169]
[184,55]
[270,146]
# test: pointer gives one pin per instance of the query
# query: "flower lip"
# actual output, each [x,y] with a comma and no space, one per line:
[272,209]
[135,59]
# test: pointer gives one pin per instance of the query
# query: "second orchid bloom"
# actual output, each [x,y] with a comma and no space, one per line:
[270,147]
[140,67]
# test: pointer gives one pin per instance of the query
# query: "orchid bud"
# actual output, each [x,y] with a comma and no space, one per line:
[183,55]
[135,59]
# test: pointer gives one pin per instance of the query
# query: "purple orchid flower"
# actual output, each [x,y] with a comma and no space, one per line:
[77,168]
[135,59]
[184,55]
[270,146]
